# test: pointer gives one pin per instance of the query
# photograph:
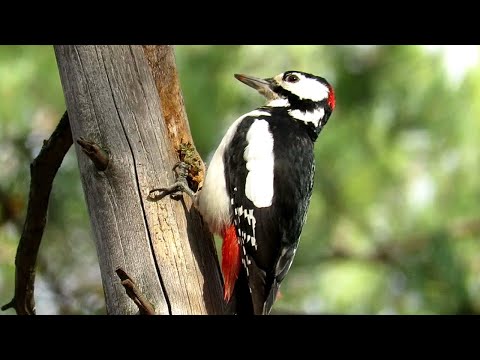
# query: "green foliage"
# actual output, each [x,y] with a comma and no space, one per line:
[32,102]
[394,221]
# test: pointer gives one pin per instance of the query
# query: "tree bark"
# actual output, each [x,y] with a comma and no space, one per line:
[113,103]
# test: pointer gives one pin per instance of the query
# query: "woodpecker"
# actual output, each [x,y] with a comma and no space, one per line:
[259,182]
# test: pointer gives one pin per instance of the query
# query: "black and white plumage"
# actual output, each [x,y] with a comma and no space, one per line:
[259,182]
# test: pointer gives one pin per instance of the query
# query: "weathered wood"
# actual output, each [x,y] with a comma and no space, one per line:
[113,102]
[161,59]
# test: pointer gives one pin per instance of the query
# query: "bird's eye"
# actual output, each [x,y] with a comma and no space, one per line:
[291,78]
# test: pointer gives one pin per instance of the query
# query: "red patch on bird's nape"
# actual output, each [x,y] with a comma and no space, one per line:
[331,97]
[230,260]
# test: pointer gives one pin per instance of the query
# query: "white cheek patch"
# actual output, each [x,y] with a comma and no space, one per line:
[259,161]
[307,88]
[313,117]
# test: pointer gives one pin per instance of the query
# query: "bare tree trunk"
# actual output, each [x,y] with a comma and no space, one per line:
[112,101]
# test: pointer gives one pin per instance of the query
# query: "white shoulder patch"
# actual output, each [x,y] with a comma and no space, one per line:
[213,199]
[259,158]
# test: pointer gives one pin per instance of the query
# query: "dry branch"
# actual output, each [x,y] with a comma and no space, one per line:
[134,293]
[42,170]
[98,156]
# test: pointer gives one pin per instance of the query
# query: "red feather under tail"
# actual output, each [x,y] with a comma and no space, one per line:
[230,260]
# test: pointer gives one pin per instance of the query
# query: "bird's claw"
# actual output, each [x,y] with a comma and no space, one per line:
[180,186]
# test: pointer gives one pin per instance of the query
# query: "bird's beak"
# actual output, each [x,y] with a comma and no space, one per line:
[263,86]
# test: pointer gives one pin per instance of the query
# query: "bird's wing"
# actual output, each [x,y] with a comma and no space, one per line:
[268,234]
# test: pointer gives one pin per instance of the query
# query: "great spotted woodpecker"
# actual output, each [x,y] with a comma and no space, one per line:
[258,185]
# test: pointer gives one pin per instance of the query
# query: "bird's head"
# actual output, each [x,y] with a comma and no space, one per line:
[306,97]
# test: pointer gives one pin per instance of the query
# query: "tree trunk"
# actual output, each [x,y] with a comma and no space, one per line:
[112,101]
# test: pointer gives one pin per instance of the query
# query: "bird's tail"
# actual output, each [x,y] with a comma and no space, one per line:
[241,303]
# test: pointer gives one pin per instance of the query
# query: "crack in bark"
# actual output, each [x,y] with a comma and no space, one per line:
[164,290]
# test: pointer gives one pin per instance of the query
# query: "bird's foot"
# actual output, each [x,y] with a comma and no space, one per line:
[180,186]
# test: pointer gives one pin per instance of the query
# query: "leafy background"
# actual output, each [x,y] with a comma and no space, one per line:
[394,222]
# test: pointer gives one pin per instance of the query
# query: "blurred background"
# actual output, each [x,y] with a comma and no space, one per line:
[394,222]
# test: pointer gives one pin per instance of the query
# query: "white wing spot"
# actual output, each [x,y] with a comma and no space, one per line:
[248,214]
